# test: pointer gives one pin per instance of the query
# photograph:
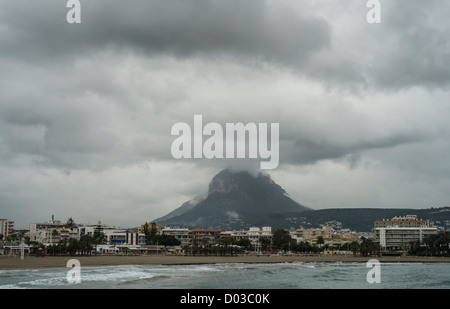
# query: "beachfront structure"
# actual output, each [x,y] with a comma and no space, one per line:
[399,232]
[91,230]
[114,236]
[181,234]
[254,234]
[200,236]
[52,232]
[332,241]
[125,238]
[6,228]
[301,234]
[15,249]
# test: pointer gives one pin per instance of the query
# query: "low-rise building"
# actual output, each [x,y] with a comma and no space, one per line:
[91,230]
[310,235]
[254,234]
[181,234]
[52,232]
[325,231]
[200,236]
[333,241]
[124,238]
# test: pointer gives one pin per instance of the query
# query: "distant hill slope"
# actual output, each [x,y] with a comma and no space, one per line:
[362,219]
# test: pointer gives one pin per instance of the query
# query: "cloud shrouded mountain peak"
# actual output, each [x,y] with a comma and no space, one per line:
[236,199]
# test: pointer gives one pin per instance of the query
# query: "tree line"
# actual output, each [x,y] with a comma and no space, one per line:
[83,246]
[152,237]
[283,241]
[280,241]
[71,246]
[432,245]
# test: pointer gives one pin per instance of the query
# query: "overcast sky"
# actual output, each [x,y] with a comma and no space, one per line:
[86,109]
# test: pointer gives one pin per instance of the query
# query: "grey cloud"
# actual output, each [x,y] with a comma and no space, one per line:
[302,150]
[249,28]
[88,108]
[409,48]
[415,49]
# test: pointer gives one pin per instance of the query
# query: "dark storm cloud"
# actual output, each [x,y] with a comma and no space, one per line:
[86,110]
[414,46]
[307,151]
[189,27]
[409,48]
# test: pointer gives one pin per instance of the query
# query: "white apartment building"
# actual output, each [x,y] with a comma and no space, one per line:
[181,234]
[254,234]
[52,232]
[114,236]
[90,230]
[399,232]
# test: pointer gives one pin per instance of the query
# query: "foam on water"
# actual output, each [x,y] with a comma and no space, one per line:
[238,275]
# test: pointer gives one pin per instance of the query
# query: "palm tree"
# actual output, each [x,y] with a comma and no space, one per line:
[354,246]
[55,233]
[245,243]
[320,241]
[73,246]
[147,234]
[205,245]
[70,222]
[63,246]
[265,243]
[86,243]
[280,237]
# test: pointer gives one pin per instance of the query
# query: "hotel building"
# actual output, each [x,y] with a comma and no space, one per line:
[399,232]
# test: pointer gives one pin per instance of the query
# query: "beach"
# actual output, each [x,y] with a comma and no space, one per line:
[32,262]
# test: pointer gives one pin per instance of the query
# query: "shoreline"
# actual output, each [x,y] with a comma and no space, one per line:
[32,262]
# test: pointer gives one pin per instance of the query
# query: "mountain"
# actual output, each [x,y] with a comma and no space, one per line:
[236,199]
[239,200]
[185,207]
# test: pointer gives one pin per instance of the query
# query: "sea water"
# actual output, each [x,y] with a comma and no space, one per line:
[235,276]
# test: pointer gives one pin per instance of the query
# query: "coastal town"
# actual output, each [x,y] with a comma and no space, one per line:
[407,235]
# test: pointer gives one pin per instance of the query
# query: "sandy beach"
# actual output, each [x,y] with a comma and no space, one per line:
[32,262]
